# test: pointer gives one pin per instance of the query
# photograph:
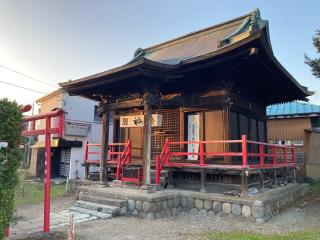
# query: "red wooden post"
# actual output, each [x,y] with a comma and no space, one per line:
[47,178]
[293,157]
[60,127]
[261,153]
[86,148]
[201,153]
[166,151]
[244,151]
[285,154]
[158,171]
[274,155]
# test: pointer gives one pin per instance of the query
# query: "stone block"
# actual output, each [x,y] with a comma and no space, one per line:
[150,216]
[164,204]
[211,214]
[260,220]
[159,206]
[135,213]
[190,203]
[226,208]
[149,207]
[217,207]
[131,205]
[203,213]
[207,204]
[194,211]
[176,202]
[157,215]
[198,204]
[139,205]
[123,211]
[236,209]
[257,212]
[174,211]
[246,211]
[183,202]
[170,203]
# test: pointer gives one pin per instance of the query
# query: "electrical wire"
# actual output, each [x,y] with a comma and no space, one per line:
[27,76]
[25,88]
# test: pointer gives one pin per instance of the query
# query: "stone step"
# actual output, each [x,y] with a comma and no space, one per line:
[102,200]
[90,212]
[105,194]
[98,207]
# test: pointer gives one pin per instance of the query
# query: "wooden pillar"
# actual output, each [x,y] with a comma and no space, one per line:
[104,144]
[146,155]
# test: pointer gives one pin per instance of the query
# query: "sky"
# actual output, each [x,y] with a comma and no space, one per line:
[54,41]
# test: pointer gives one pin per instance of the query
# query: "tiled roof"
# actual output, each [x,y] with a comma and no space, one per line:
[202,42]
[292,108]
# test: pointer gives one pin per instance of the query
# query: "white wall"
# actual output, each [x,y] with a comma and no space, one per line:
[81,110]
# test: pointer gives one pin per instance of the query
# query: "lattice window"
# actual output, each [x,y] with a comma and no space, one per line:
[170,128]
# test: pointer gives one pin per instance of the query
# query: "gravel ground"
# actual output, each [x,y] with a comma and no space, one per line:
[300,216]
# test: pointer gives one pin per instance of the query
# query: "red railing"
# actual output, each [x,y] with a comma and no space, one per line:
[115,155]
[281,155]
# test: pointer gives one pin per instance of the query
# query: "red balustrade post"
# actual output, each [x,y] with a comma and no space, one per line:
[158,170]
[285,155]
[293,157]
[261,154]
[86,149]
[129,145]
[244,151]
[166,151]
[274,155]
[201,153]
[61,123]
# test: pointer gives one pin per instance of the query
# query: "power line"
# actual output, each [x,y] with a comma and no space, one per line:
[29,89]
[35,79]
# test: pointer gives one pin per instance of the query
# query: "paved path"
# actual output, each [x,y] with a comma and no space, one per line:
[60,219]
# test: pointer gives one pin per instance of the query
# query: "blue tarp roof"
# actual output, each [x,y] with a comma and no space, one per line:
[292,108]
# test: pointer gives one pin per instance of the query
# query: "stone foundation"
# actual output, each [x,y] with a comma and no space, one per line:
[170,202]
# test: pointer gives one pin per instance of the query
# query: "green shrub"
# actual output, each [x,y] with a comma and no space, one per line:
[10,157]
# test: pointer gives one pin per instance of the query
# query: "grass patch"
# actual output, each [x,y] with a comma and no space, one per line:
[31,192]
[311,234]
[315,187]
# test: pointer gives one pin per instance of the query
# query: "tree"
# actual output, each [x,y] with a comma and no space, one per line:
[315,63]
[10,157]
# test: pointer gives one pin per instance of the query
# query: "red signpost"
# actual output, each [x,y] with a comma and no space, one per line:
[47,131]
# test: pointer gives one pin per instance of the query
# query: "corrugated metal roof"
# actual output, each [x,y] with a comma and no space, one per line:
[292,108]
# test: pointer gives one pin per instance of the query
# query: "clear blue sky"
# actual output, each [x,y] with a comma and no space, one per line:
[59,40]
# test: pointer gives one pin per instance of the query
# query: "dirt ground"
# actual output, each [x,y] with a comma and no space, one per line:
[302,215]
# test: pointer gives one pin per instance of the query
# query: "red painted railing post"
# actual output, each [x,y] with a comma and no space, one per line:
[86,149]
[261,154]
[274,155]
[158,170]
[166,151]
[201,153]
[293,157]
[244,151]
[285,155]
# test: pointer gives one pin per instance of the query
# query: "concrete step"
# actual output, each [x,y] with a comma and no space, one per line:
[98,207]
[100,215]
[102,200]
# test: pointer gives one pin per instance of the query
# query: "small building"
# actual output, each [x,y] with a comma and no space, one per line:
[297,123]
[207,86]
[82,123]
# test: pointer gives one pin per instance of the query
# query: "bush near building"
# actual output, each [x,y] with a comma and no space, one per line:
[10,157]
